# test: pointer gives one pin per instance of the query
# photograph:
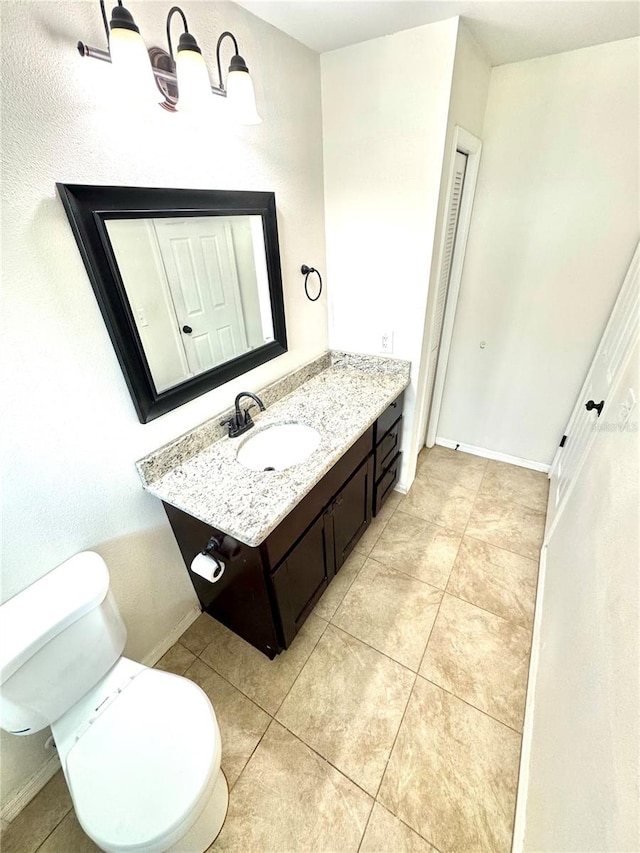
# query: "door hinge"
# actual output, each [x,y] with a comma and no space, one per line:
[562,442]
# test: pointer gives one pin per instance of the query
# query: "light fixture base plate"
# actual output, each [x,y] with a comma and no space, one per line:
[161,61]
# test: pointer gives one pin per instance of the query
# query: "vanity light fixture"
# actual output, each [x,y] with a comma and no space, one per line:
[184,81]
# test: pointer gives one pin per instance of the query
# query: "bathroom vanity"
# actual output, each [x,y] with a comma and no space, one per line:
[284,535]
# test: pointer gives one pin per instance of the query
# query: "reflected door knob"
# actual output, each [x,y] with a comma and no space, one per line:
[597,406]
[187,330]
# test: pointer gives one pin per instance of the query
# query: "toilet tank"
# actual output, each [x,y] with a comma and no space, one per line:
[58,638]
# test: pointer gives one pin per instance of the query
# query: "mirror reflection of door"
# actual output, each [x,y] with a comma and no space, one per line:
[196,288]
[200,264]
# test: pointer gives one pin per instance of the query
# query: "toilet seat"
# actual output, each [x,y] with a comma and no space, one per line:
[144,766]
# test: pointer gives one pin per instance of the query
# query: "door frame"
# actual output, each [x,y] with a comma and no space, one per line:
[431,404]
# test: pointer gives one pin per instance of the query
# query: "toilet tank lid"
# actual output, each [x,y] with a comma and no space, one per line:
[33,617]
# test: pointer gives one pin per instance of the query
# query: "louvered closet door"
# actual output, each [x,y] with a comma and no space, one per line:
[453,216]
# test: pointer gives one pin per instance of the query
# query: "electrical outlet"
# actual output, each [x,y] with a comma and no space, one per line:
[386,342]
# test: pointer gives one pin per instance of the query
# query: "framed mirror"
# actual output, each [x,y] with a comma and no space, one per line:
[188,282]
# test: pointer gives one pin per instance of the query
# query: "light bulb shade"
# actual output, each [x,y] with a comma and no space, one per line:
[130,58]
[240,94]
[194,86]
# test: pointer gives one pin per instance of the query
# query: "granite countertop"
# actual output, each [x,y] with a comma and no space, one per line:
[340,394]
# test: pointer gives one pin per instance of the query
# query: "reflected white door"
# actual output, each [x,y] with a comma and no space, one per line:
[583,424]
[200,263]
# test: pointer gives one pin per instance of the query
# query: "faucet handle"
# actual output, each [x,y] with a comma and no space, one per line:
[231,423]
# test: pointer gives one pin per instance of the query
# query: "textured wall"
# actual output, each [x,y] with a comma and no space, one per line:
[72,433]
[469,90]
[385,106]
[555,223]
[583,784]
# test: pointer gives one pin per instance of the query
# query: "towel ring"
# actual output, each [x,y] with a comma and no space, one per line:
[306,272]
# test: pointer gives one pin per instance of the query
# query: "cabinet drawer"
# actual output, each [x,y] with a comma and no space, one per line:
[387,448]
[385,484]
[388,418]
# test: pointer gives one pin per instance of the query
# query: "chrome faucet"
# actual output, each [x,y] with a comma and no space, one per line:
[242,420]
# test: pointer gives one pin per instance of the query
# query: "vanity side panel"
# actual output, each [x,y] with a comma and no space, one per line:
[240,599]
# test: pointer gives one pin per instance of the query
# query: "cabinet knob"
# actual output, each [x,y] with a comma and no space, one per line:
[187,330]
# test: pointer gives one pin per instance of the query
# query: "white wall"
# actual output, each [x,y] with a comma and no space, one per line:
[583,785]
[71,430]
[469,91]
[385,104]
[554,227]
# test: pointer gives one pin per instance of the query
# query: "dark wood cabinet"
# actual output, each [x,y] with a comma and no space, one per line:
[386,455]
[302,577]
[267,592]
[351,511]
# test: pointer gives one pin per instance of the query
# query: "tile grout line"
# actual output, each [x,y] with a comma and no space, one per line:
[469,705]
[373,648]
[64,817]
[315,646]
[384,772]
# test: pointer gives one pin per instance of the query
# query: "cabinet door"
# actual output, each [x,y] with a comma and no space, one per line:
[301,579]
[352,511]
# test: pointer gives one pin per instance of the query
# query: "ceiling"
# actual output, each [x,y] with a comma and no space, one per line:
[507,30]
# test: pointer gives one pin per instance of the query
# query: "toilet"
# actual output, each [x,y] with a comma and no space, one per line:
[140,748]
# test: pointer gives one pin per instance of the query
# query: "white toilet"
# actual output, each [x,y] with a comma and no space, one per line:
[140,749]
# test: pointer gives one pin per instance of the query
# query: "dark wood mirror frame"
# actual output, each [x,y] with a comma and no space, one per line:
[87,207]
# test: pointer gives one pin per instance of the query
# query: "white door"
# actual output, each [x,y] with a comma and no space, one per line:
[199,259]
[592,401]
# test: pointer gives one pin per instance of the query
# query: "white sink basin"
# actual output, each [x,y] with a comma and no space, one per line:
[278,447]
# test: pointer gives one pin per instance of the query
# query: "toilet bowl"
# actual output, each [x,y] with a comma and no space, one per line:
[140,748]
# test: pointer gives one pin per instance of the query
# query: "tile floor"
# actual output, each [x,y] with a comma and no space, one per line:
[393,723]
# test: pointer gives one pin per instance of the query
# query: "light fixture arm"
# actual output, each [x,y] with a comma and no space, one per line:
[225,34]
[172,11]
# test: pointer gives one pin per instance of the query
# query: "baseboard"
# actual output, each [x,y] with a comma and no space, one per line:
[12,808]
[494,454]
[520,821]
[165,644]
[23,797]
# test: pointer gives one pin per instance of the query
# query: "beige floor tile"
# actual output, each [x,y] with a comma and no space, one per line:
[68,837]
[347,704]
[177,659]
[453,773]
[453,466]
[393,500]
[496,580]
[507,525]
[371,535]
[290,799]
[516,484]
[242,723]
[339,586]
[439,501]
[200,633]
[480,658]
[390,611]
[265,681]
[386,834]
[39,818]
[419,548]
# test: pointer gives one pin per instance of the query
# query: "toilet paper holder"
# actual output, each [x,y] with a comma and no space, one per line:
[214,550]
